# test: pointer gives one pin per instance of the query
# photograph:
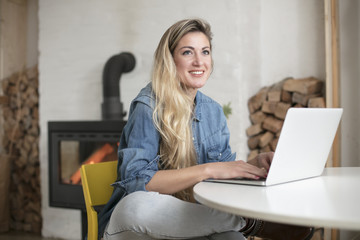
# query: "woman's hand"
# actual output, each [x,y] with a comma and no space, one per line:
[234,169]
[263,160]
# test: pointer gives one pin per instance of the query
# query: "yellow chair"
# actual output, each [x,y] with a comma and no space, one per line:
[96,180]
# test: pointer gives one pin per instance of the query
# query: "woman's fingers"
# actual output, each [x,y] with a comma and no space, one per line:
[236,169]
[266,160]
[250,171]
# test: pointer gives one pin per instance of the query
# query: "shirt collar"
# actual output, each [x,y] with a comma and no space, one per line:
[197,110]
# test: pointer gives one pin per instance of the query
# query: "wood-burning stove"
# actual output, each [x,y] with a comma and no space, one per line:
[71,144]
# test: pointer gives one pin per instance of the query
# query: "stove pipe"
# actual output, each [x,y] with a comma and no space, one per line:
[112,108]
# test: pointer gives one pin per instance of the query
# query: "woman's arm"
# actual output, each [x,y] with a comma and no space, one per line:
[175,180]
[172,181]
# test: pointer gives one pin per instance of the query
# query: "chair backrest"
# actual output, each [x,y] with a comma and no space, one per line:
[96,180]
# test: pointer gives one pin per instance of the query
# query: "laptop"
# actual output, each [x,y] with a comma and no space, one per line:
[303,147]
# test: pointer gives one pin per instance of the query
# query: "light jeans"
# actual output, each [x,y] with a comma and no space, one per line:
[150,215]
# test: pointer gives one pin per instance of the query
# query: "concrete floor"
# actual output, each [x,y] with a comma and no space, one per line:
[22,236]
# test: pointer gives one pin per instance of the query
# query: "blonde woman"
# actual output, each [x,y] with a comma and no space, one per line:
[176,137]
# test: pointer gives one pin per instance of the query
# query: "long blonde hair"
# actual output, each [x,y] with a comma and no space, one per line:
[174,108]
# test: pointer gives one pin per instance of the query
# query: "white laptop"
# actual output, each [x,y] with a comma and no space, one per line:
[303,147]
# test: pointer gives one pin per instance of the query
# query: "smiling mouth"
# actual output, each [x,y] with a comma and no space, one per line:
[196,72]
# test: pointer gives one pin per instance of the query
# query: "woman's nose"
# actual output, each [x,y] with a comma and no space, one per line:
[198,60]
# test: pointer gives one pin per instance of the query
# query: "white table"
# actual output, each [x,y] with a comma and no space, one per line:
[331,200]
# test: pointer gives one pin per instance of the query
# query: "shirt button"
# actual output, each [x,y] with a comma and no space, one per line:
[193,139]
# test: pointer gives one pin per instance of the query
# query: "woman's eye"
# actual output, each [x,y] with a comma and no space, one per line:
[206,52]
[188,52]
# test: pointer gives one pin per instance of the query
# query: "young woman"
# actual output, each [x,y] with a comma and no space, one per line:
[176,137]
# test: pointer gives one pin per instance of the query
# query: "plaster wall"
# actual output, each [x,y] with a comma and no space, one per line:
[349,39]
[350,81]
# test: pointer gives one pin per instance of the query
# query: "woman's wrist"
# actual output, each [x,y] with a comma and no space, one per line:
[206,171]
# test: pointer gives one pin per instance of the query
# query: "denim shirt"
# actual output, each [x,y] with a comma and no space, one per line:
[139,144]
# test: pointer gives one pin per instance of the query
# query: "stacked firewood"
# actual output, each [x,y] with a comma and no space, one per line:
[20,142]
[268,108]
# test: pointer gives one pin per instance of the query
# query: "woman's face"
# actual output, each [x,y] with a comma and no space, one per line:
[193,60]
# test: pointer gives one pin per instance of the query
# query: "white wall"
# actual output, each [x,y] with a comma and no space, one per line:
[349,32]
[349,78]
[250,50]
[32,34]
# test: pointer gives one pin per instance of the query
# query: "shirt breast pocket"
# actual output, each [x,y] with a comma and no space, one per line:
[214,153]
[217,148]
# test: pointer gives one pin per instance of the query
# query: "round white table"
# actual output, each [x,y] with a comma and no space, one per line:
[331,200]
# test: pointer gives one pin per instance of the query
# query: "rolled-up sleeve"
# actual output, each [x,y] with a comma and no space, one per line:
[138,150]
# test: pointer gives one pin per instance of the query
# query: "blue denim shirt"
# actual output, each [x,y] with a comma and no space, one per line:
[139,144]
